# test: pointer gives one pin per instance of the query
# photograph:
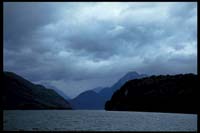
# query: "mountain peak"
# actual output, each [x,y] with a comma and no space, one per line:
[132,73]
[87,93]
[97,89]
[88,100]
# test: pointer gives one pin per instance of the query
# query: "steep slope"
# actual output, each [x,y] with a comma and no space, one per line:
[107,92]
[92,100]
[19,93]
[60,92]
[97,89]
[88,100]
[175,93]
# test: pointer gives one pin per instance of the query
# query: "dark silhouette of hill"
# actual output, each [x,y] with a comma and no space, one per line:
[19,93]
[92,100]
[88,100]
[164,93]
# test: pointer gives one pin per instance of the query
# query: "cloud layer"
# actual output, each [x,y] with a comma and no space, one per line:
[79,46]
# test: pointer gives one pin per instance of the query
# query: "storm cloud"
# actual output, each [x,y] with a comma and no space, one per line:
[79,46]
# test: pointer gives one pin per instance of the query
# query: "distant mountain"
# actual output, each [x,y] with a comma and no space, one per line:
[107,92]
[19,93]
[60,92]
[97,89]
[88,100]
[164,93]
[92,100]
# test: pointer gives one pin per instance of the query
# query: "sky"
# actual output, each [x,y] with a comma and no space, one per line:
[76,46]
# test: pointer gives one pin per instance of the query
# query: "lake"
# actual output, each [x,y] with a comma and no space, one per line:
[96,120]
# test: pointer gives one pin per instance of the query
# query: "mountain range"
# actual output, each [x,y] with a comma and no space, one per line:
[96,98]
[19,93]
[132,92]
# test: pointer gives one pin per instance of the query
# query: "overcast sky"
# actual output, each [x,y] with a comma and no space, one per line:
[80,46]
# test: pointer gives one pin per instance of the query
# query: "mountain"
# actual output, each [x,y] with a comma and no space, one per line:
[107,92]
[164,93]
[93,100]
[19,93]
[97,89]
[88,100]
[60,92]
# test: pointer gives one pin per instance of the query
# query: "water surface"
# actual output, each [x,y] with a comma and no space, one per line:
[97,120]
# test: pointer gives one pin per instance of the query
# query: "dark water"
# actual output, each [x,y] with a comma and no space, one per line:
[97,120]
